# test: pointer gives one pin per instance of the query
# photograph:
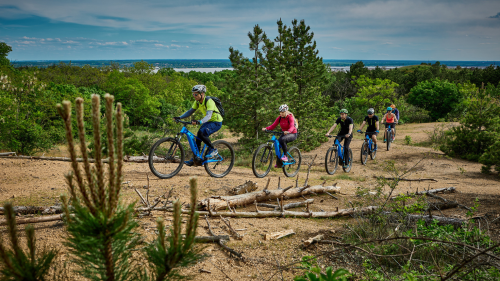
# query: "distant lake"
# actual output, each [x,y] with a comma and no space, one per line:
[212,65]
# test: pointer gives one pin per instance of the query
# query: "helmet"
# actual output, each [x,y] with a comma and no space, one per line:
[389,109]
[393,106]
[371,111]
[344,111]
[283,108]
[199,89]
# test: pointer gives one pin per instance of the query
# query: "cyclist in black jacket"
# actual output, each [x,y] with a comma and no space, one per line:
[373,125]
[346,126]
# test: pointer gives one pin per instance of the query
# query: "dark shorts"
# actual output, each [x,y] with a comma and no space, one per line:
[210,127]
[393,125]
[371,134]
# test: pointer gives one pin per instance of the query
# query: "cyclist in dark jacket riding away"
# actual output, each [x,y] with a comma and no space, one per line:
[346,126]
[287,124]
[211,123]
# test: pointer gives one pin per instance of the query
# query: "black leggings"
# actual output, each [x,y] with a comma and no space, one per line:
[284,139]
[347,142]
[205,139]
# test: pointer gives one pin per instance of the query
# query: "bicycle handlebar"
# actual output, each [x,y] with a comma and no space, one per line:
[274,132]
[184,122]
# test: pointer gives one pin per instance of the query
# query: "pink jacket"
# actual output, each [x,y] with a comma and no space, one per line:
[286,124]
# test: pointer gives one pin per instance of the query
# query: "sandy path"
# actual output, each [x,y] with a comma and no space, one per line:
[40,183]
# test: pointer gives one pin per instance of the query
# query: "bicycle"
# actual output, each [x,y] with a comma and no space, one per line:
[388,134]
[263,158]
[367,148]
[166,156]
[334,154]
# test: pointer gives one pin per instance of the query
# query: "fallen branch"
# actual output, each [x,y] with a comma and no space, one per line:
[231,229]
[313,240]
[25,210]
[267,214]
[309,170]
[432,191]
[35,220]
[210,239]
[221,202]
[7,153]
[278,235]
[221,243]
[402,179]
[295,205]
[135,159]
[448,202]
[248,186]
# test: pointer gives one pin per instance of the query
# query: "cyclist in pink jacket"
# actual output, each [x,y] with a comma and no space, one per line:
[288,126]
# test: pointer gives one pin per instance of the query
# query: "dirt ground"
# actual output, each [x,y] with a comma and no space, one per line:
[40,183]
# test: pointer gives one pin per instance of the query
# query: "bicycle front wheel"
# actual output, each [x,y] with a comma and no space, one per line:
[262,160]
[331,160]
[364,153]
[224,161]
[389,139]
[166,158]
[373,152]
[349,166]
[293,155]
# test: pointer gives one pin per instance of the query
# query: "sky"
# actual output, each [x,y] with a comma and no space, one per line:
[205,29]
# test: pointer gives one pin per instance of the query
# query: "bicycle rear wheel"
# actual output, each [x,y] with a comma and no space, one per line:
[331,160]
[364,152]
[292,170]
[225,160]
[166,158]
[348,168]
[262,160]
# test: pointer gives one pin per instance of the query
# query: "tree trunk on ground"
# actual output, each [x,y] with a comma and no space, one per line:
[221,202]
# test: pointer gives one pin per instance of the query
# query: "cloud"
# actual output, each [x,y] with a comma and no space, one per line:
[495,17]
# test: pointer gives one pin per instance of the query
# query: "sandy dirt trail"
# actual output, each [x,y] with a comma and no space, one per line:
[40,183]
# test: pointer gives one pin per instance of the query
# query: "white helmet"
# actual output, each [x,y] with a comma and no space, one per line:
[371,111]
[283,108]
[199,89]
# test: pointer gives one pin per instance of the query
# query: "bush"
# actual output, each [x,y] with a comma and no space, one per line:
[439,97]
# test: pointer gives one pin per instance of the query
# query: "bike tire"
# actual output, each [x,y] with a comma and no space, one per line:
[261,168]
[373,153]
[221,168]
[292,170]
[331,160]
[364,152]
[348,169]
[388,141]
[160,167]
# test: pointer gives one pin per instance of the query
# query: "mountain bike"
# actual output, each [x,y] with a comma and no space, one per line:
[263,158]
[335,154]
[368,147]
[389,137]
[166,156]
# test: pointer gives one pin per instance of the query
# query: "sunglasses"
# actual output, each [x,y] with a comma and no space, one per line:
[196,94]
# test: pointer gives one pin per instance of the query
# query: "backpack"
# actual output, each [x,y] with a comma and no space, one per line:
[296,123]
[218,104]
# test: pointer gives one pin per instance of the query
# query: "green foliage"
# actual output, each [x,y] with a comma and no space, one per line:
[4,52]
[375,93]
[314,272]
[408,140]
[479,129]
[15,263]
[440,97]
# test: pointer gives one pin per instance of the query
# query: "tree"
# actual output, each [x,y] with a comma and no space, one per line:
[438,96]
[4,51]
[375,93]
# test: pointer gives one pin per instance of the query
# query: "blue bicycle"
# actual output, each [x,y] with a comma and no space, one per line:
[389,136]
[166,156]
[263,158]
[335,154]
[368,148]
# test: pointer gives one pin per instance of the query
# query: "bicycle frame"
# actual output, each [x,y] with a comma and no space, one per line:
[277,149]
[340,148]
[370,142]
[192,144]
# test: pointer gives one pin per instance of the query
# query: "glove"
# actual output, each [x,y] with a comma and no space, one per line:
[177,119]
[198,122]
[359,131]
[377,131]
